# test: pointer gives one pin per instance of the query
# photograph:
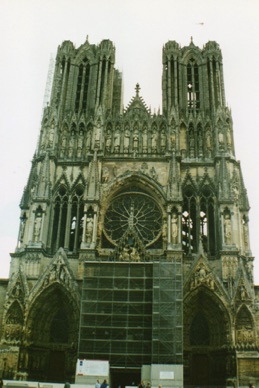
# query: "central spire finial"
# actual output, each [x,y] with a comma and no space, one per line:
[137,88]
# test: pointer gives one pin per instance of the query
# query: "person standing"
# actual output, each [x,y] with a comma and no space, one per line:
[97,385]
[104,384]
[141,384]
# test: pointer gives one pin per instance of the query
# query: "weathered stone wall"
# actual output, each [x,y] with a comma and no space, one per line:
[3,288]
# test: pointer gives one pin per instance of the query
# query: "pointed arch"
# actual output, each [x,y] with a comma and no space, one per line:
[203,306]
[59,217]
[244,327]
[13,323]
[199,216]
[82,88]
[76,217]
[206,327]
[52,324]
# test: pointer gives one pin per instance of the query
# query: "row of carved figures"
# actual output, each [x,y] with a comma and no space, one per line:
[73,144]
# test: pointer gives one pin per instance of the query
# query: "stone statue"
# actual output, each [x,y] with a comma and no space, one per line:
[126,140]
[105,175]
[191,140]
[227,229]
[200,143]
[208,143]
[144,140]
[71,145]
[173,140]
[163,141]
[117,140]
[174,229]
[80,145]
[37,228]
[154,141]
[89,228]
[108,141]
[97,135]
[135,140]
[221,139]
[63,145]
[89,139]
[51,136]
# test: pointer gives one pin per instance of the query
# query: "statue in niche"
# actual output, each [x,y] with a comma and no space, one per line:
[17,291]
[245,232]
[191,140]
[51,136]
[117,140]
[163,141]
[153,173]
[173,140]
[144,140]
[97,135]
[63,144]
[154,141]
[105,175]
[80,144]
[144,168]
[88,144]
[229,139]
[250,268]
[208,143]
[43,137]
[227,229]
[124,255]
[37,228]
[221,140]
[108,141]
[71,144]
[200,143]
[242,293]
[89,228]
[135,139]
[235,191]
[22,227]
[126,140]
[134,255]
[174,228]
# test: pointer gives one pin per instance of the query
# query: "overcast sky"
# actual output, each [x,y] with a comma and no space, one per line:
[32,30]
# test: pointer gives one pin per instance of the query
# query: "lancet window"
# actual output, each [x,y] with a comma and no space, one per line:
[68,213]
[198,221]
[82,86]
[193,88]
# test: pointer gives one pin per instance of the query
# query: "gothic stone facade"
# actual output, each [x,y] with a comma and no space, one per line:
[134,228]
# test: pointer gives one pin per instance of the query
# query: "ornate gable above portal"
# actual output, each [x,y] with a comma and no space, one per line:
[242,290]
[202,275]
[14,308]
[137,106]
[17,289]
[58,271]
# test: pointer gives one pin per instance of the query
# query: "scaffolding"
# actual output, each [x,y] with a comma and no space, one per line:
[131,313]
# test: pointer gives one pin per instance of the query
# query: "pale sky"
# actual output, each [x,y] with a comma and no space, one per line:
[32,30]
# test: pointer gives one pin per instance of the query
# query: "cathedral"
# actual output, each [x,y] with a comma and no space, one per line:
[133,259]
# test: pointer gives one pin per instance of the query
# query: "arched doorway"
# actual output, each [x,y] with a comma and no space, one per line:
[206,328]
[49,352]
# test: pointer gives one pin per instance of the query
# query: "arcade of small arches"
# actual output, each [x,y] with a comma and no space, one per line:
[195,140]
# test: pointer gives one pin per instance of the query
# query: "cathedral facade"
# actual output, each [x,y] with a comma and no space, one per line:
[134,232]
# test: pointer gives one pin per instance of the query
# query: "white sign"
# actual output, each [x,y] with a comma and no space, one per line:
[92,368]
[166,375]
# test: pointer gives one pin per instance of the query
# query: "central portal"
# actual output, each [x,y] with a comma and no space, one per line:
[122,377]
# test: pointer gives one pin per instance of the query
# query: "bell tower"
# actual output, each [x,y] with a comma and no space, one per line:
[134,232]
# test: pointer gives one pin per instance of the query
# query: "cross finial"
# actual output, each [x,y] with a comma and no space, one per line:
[137,88]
